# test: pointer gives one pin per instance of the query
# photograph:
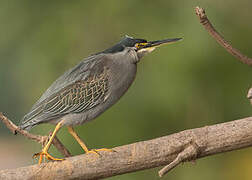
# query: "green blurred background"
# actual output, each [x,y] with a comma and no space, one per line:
[189,84]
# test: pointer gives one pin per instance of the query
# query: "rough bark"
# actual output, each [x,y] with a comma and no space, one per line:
[201,142]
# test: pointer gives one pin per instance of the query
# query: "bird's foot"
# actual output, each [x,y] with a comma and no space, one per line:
[47,155]
[96,151]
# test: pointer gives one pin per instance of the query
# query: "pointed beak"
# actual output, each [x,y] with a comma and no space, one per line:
[161,42]
[157,43]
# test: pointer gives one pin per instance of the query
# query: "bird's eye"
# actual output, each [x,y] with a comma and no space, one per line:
[140,45]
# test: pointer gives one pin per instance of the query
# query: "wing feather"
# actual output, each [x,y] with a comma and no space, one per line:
[77,90]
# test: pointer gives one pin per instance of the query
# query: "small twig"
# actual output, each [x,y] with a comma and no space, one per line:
[14,129]
[200,12]
[188,153]
[61,148]
[249,95]
[40,139]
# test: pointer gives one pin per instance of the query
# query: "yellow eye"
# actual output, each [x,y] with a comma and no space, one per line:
[139,45]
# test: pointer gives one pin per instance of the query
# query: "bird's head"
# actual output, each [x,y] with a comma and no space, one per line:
[140,46]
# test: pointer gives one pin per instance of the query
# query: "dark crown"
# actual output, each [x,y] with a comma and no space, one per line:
[125,42]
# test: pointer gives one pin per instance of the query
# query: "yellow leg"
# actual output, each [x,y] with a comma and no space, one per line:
[82,144]
[47,146]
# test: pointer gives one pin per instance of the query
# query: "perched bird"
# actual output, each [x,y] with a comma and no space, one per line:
[88,89]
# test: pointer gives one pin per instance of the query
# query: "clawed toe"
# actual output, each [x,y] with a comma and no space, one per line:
[105,149]
[96,151]
[47,155]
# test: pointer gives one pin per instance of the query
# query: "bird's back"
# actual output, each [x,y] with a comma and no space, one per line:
[74,82]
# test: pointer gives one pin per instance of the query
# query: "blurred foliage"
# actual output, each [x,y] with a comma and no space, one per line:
[189,84]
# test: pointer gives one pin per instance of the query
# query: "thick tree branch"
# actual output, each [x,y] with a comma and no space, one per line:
[40,139]
[200,12]
[189,153]
[173,149]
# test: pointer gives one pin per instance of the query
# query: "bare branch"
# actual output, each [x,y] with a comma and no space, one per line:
[200,12]
[176,148]
[61,148]
[249,95]
[187,154]
[40,139]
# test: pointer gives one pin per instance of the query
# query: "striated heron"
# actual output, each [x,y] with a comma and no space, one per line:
[88,89]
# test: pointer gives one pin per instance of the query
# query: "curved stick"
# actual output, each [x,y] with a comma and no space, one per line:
[40,139]
[200,12]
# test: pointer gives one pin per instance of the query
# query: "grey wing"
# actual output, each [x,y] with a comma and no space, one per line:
[79,72]
[82,94]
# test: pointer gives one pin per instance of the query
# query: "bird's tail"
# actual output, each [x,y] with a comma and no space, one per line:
[27,124]
[30,119]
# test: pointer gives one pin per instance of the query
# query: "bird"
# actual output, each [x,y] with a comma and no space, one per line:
[88,89]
